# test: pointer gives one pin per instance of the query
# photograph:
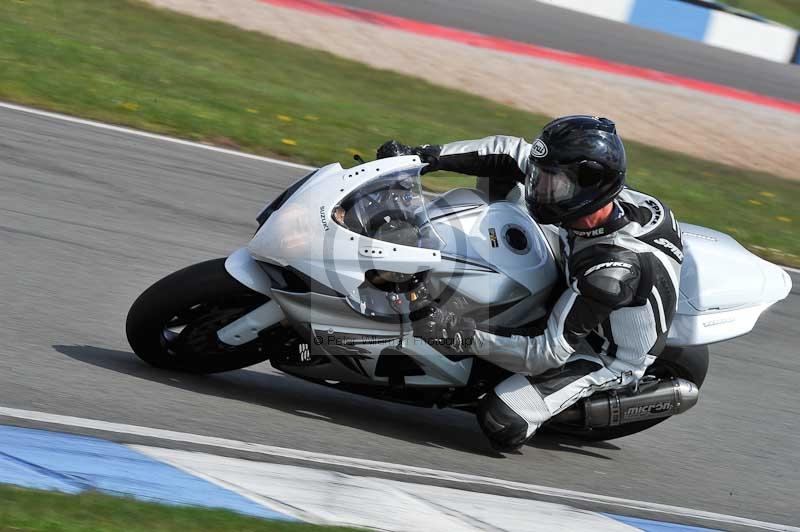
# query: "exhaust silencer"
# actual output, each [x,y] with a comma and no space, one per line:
[653,400]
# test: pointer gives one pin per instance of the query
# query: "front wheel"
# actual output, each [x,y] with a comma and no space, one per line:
[174,323]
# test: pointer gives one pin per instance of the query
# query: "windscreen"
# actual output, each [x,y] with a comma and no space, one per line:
[390,208]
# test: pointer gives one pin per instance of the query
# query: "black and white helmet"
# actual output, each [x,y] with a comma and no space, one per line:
[577,165]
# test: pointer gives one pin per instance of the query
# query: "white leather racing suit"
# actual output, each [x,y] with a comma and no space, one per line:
[612,318]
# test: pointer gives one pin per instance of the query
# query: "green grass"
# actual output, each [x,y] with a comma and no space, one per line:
[33,510]
[123,62]
[783,11]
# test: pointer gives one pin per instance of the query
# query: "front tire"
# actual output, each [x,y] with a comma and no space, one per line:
[173,324]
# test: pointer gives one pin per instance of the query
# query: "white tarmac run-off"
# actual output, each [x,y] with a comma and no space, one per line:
[659,511]
[325,497]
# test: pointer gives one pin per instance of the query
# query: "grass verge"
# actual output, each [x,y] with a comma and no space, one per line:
[126,63]
[33,510]
[784,11]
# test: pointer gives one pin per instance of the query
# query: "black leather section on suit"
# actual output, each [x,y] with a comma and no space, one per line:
[607,278]
[666,239]
[505,429]
[584,316]
[556,379]
[501,167]
[658,278]
[607,274]
[636,213]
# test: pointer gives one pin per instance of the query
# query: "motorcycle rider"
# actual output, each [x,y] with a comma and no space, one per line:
[621,255]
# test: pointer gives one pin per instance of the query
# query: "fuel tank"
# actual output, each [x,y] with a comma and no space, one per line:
[494,254]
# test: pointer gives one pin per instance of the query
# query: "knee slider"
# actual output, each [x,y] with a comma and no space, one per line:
[507,431]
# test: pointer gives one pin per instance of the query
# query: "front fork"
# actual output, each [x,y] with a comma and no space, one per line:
[241,266]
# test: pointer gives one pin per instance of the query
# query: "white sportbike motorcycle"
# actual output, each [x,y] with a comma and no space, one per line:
[324,288]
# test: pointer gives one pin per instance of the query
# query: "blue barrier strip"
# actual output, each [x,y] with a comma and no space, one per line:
[671,16]
[64,462]
[657,526]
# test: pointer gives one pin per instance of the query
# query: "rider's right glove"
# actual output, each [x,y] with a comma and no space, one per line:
[441,327]
[427,153]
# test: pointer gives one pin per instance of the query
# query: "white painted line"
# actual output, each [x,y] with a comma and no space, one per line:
[386,467]
[145,134]
[792,270]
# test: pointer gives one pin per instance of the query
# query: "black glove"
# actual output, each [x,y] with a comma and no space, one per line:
[392,148]
[427,153]
[442,327]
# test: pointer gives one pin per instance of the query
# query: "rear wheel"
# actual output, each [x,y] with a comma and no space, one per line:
[174,323]
[690,363]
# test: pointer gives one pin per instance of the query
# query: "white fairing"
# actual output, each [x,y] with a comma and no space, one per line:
[723,290]
[495,255]
[475,255]
[302,234]
[243,268]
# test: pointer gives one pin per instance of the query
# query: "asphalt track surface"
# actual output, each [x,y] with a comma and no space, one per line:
[90,217]
[545,25]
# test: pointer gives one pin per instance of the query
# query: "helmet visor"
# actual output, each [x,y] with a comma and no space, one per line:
[551,185]
[559,193]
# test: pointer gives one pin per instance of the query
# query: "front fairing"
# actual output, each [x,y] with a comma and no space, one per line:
[309,233]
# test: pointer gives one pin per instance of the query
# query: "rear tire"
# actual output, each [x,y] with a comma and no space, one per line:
[690,363]
[173,324]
